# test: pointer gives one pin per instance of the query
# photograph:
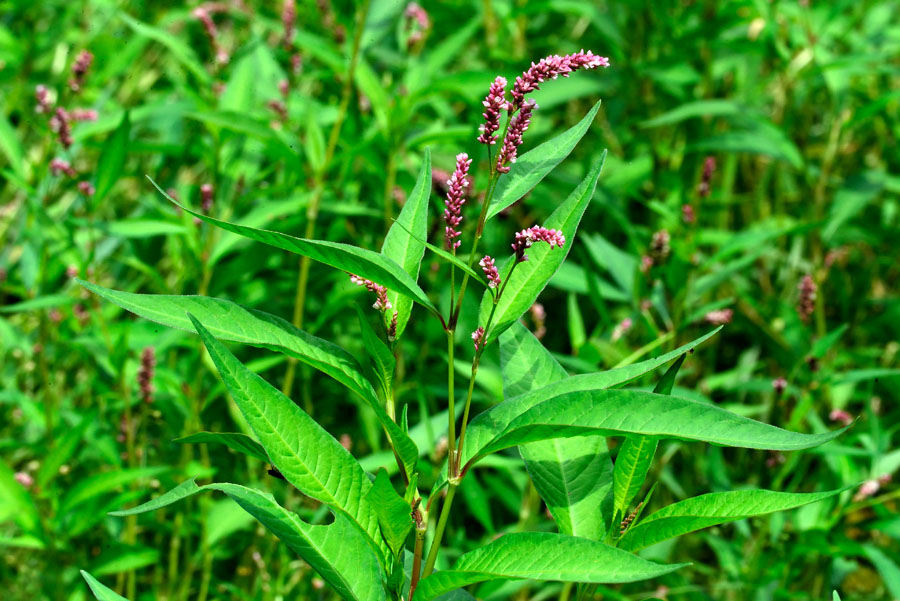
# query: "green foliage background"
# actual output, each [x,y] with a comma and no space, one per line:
[797,102]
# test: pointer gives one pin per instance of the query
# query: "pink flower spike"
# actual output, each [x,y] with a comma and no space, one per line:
[84,115]
[206,197]
[86,188]
[719,317]
[839,415]
[490,271]
[58,166]
[551,68]
[456,188]
[42,96]
[517,126]
[381,301]
[478,338]
[526,238]
[79,69]
[493,103]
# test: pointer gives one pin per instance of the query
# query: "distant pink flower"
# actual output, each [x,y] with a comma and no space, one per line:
[284,88]
[646,263]
[61,124]
[494,102]
[86,188]
[687,214]
[709,166]
[145,374]
[806,304]
[552,67]
[206,197]
[58,166]
[203,14]
[539,317]
[381,301]
[659,245]
[288,20]
[42,97]
[79,69]
[778,385]
[84,115]
[517,126]
[839,415]
[621,329]
[392,329]
[490,271]
[417,24]
[456,189]
[24,478]
[478,338]
[719,317]
[866,490]
[526,238]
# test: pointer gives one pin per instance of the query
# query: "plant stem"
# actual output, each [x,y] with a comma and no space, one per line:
[417,561]
[451,413]
[312,211]
[439,532]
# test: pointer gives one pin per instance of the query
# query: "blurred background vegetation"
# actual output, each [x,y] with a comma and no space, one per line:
[751,144]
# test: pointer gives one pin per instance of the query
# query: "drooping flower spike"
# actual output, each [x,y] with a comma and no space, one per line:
[456,189]
[526,238]
[381,301]
[478,338]
[517,126]
[552,67]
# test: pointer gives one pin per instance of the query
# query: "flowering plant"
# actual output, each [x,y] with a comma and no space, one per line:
[385,541]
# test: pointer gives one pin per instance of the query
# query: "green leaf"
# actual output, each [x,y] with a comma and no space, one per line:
[12,148]
[534,165]
[624,412]
[179,49]
[573,476]
[541,556]
[112,159]
[351,259]
[236,442]
[101,592]
[230,321]
[636,453]
[380,356]
[339,552]
[714,107]
[67,445]
[528,279]
[88,489]
[305,453]
[394,514]
[887,568]
[712,509]
[404,241]
[487,425]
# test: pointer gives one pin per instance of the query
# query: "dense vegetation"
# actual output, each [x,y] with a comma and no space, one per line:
[740,170]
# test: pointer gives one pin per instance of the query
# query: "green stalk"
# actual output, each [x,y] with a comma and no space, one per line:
[312,211]
[439,532]
[451,413]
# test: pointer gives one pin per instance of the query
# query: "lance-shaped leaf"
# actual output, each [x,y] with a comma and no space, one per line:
[394,514]
[573,476]
[351,259]
[305,453]
[541,556]
[234,441]
[487,425]
[712,509]
[533,166]
[339,552]
[100,590]
[636,453]
[379,355]
[403,241]
[528,279]
[624,412]
[230,321]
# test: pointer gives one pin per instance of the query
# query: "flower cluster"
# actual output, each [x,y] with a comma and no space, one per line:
[517,126]
[719,317]
[42,97]
[381,301]
[206,197]
[807,301]
[526,238]
[288,21]
[478,338]
[494,102]
[539,317]
[58,166]
[659,245]
[79,69]
[417,24]
[490,271]
[204,15]
[552,67]
[145,374]
[456,188]
[61,124]
[709,166]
